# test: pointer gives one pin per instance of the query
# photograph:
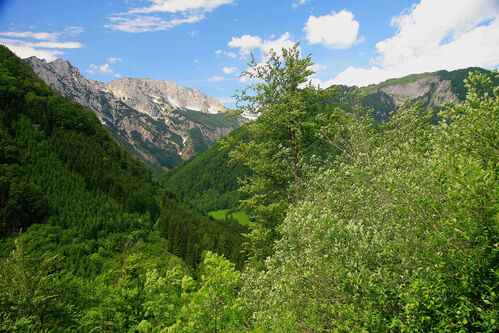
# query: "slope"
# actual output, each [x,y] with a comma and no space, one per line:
[209,180]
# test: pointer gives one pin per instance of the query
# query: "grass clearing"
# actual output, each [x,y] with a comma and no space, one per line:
[241,216]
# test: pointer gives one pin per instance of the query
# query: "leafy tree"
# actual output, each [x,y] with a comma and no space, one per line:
[214,306]
[282,143]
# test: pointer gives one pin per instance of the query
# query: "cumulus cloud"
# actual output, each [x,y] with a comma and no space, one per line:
[163,15]
[467,35]
[335,30]
[247,43]
[229,70]
[44,45]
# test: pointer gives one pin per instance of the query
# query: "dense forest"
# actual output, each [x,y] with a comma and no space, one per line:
[357,224]
[82,223]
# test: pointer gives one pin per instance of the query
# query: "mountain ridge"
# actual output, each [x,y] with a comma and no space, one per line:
[152,119]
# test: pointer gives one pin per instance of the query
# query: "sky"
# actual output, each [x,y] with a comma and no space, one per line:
[206,44]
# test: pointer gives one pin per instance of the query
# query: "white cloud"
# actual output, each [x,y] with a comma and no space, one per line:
[175,6]
[216,79]
[226,100]
[248,43]
[48,36]
[317,67]
[229,70]
[467,35]
[245,43]
[44,45]
[178,12]
[335,31]
[228,54]
[27,51]
[196,61]
[145,23]
[193,33]
[114,60]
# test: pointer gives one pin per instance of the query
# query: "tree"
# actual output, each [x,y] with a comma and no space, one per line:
[215,305]
[283,143]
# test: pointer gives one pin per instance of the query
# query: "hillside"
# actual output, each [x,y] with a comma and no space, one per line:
[159,122]
[82,220]
[209,180]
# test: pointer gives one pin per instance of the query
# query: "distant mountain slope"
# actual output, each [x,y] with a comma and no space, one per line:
[153,120]
[209,180]
[432,89]
[60,169]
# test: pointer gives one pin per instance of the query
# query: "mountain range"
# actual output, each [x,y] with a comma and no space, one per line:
[160,122]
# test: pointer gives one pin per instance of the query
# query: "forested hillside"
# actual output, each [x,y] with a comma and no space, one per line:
[87,236]
[208,180]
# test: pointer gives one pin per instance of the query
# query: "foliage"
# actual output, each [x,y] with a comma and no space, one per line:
[397,234]
[35,294]
[81,220]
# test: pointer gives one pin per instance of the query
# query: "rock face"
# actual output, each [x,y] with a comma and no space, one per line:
[160,97]
[430,89]
[160,122]
[435,89]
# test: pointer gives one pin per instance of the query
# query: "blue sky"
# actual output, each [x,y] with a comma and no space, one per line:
[205,44]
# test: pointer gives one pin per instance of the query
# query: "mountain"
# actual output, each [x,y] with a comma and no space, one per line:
[209,181]
[159,122]
[60,167]
[431,89]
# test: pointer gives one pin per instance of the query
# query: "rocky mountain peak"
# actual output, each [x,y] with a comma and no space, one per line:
[160,97]
[160,122]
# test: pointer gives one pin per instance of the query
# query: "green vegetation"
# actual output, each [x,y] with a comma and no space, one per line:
[283,145]
[223,214]
[357,225]
[399,233]
[208,180]
[87,237]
